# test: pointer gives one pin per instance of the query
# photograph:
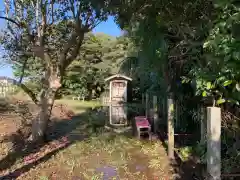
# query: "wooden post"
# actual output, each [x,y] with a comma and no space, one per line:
[165,111]
[110,92]
[214,143]
[176,111]
[143,105]
[170,128]
[142,98]
[146,105]
[155,114]
[110,113]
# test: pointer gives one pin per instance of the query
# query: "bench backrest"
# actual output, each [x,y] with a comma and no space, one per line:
[141,121]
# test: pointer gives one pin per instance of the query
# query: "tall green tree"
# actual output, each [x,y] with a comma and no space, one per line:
[217,76]
[85,76]
[51,33]
[167,33]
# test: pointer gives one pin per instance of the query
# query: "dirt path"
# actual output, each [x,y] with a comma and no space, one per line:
[103,156]
[90,155]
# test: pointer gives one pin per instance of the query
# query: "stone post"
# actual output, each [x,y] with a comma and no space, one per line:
[147,105]
[214,143]
[170,128]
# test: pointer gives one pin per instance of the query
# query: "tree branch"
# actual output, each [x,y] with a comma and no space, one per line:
[23,86]
[26,90]
[20,25]
[23,70]
[75,51]
[94,25]
[42,28]
[37,50]
[72,8]
[52,5]
[66,61]
[11,20]
[89,14]
[29,92]
[66,48]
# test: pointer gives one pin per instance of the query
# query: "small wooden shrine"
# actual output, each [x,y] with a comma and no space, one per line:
[119,88]
[119,95]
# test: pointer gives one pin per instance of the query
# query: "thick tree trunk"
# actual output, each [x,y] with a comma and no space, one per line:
[47,97]
[39,127]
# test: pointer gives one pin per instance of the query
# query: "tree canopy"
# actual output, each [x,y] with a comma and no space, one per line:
[101,55]
[188,42]
[51,34]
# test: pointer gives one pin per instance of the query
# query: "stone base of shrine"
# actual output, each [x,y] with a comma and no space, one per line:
[119,129]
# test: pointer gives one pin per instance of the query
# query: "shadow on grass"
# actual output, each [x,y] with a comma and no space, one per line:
[61,136]
[80,127]
[5,107]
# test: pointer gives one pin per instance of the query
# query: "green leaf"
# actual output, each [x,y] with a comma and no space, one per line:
[209,85]
[238,87]
[228,82]
[206,44]
[204,93]
[220,101]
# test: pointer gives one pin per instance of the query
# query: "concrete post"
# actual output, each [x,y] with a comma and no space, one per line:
[214,143]
[146,105]
[155,114]
[170,128]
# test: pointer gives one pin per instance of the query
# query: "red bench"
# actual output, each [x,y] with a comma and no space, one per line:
[142,126]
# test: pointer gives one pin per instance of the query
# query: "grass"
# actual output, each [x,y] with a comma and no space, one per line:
[185,153]
[101,154]
[78,106]
[125,157]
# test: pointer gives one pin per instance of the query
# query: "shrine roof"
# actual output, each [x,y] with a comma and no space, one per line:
[118,76]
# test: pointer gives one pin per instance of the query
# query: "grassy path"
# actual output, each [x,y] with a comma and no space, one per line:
[96,154]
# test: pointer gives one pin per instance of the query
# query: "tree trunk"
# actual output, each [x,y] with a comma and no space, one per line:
[47,97]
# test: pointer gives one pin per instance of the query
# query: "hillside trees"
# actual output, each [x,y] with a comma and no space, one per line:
[50,33]
[85,76]
[101,55]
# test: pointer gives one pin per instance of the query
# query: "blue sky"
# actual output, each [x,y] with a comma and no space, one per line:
[108,27]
